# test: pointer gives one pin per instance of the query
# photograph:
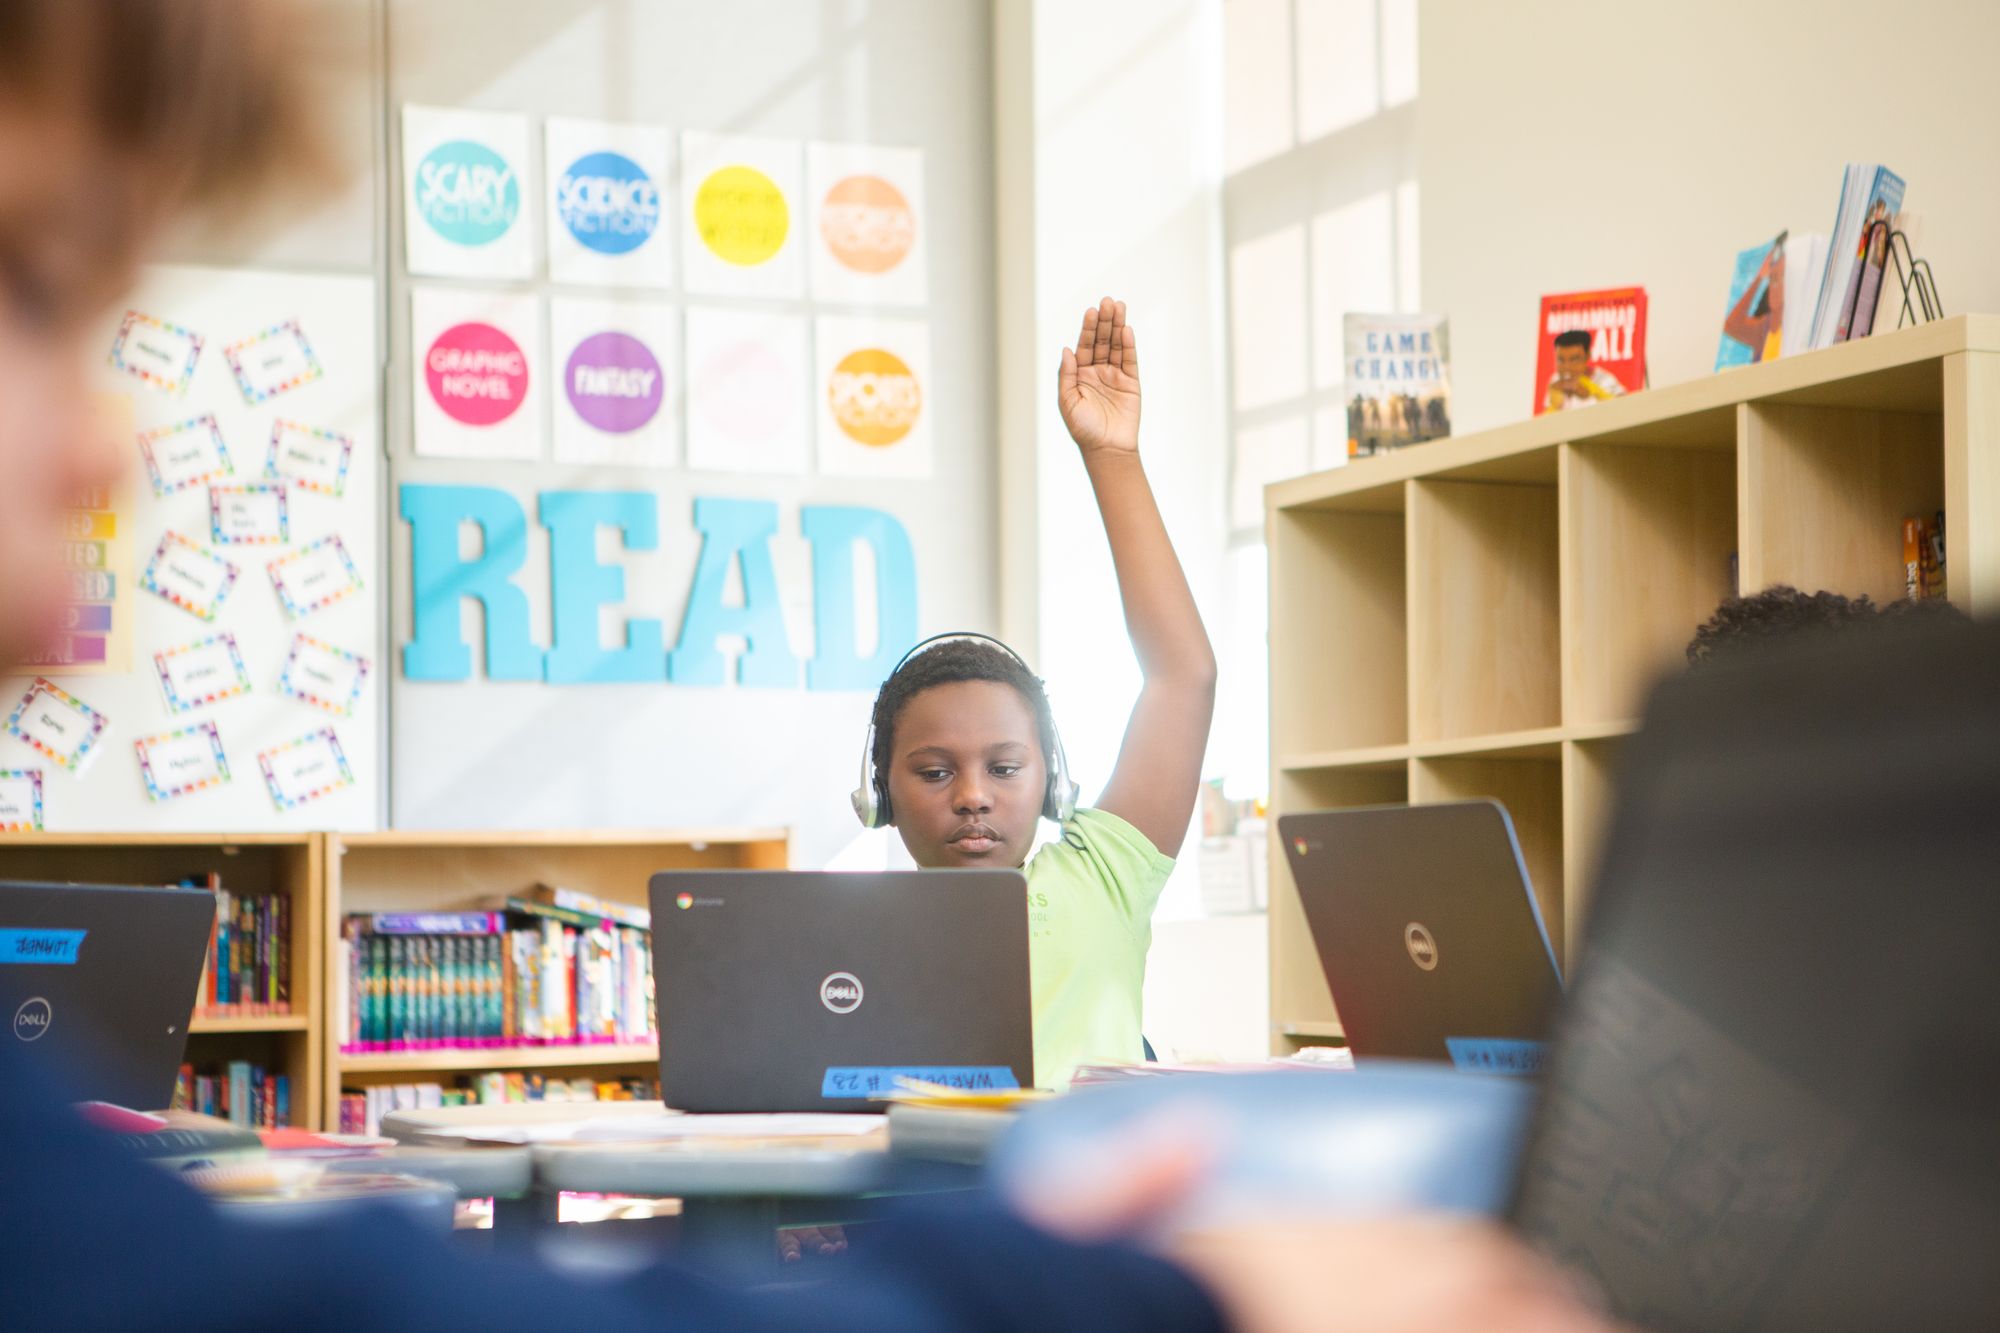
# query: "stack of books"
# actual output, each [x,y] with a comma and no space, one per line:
[538,972]
[362,1109]
[248,972]
[241,1093]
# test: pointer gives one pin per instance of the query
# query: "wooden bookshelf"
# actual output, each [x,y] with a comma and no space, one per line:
[1481,616]
[411,871]
[288,863]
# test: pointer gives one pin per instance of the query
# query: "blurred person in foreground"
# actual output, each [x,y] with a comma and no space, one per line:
[117,116]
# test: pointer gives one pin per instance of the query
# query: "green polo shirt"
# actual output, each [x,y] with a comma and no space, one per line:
[1090,922]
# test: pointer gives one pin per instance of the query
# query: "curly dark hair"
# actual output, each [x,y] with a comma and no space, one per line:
[947,663]
[1743,625]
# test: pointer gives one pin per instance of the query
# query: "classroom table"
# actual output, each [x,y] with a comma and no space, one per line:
[497,1172]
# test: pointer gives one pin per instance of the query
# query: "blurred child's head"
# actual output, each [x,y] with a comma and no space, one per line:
[1743,626]
[963,740]
[115,116]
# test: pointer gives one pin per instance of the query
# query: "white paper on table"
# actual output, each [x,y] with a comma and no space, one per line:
[671,1125]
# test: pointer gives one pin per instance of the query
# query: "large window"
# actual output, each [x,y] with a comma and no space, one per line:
[1320,219]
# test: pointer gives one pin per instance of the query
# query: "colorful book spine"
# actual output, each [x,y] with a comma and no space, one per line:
[247,972]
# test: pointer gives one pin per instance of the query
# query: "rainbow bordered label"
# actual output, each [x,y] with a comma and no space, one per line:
[309,458]
[322,675]
[20,800]
[57,723]
[187,453]
[206,671]
[314,576]
[176,763]
[161,354]
[272,362]
[192,577]
[306,769]
[249,513]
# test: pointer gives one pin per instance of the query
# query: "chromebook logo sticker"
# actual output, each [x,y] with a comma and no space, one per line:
[608,202]
[467,193]
[32,1019]
[841,992]
[874,397]
[684,901]
[868,224]
[1423,949]
[741,216]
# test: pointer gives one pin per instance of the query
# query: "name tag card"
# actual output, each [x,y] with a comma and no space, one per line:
[861,1081]
[179,762]
[161,354]
[322,675]
[252,513]
[206,671]
[57,724]
[316,576]
[305,769]
[192,577]
[185,455]
[20,800]
[275,361]
[313,460]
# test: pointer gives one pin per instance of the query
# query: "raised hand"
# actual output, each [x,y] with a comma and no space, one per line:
[1098,385]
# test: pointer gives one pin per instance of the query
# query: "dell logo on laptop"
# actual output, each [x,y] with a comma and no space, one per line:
[32,1019]
[841,992]
[1423,949]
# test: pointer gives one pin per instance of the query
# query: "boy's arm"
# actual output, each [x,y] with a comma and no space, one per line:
[1158,775]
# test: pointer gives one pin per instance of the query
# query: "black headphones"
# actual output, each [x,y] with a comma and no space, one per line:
[871,798]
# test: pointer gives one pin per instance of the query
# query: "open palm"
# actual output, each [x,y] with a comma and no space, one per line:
[1098,386]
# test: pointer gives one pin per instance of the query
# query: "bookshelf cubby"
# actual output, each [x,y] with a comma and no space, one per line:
[1481,616]
[413,871]
[287,863]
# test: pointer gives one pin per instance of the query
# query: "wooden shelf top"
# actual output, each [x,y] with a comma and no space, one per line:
[524,1057]
[1896,371]
[477,838]
[82,838]
[1538,743]
[264,1023]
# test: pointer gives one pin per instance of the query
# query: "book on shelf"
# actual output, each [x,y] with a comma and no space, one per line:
[1590,347]
[589,905]
[1398,389]
[238,1091]
[1753,323]
[247,972]
[1805,271]
[1869,193]
[362,1109]
[545,983]
[1923,558]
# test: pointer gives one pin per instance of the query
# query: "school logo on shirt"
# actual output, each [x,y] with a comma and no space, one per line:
[841,992]
[1423,949]
[32,1019]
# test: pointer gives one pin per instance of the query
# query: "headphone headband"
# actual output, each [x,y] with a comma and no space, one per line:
[871,799]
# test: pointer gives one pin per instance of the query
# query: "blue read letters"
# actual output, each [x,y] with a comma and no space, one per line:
[734,534]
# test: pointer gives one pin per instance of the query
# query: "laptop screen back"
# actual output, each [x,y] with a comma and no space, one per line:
[1774,1100]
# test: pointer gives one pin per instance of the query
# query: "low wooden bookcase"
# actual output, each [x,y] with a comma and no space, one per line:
[1481,616]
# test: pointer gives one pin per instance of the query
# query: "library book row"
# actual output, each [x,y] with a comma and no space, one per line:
[243,1093]
[483,985]
[248,972]
[362,1109]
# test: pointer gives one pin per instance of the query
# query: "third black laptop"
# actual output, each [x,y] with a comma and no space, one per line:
[816,991]
[97,984]
[1428,931]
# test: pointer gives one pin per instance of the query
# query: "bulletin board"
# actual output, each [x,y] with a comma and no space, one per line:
[239,682]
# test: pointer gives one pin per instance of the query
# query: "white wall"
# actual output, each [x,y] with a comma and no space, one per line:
[1565,147]
[1109,133]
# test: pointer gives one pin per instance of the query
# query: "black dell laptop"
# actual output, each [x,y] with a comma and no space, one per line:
[1428,931]
[1774,1098]
[98,984]
[815,991]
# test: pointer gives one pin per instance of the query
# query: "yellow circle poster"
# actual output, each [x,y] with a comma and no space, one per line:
[741,215]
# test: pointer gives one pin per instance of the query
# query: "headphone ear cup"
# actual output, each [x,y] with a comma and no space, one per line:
[885,815]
